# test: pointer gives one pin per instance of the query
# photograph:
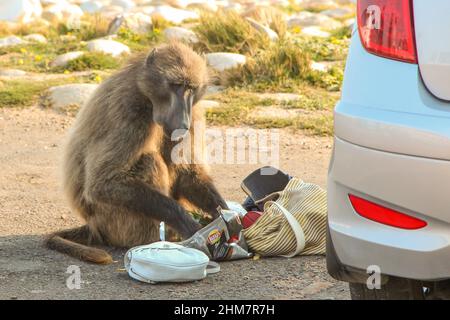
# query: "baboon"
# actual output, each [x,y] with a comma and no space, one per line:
[118,173]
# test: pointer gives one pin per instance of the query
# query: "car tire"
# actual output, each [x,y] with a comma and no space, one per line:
[394,289]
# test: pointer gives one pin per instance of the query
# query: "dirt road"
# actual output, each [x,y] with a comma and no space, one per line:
[31,205]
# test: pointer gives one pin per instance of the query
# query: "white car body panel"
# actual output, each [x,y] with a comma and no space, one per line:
[432,26]
[392,147]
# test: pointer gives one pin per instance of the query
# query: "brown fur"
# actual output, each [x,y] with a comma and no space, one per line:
[118,173]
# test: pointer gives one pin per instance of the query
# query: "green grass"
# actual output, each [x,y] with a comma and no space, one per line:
[238,107]
[279,62]
[19,93]
[281,66]
[35,57]
[22,93]
[93,61]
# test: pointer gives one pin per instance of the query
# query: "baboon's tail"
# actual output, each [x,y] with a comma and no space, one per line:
[74,242]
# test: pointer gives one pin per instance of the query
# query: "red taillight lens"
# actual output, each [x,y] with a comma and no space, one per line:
[386,28]
[384,215]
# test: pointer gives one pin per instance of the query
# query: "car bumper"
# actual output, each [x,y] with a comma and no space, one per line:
[414,185]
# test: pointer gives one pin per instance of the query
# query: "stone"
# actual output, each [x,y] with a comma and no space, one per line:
[138,22]
[318,66]
[91,6]
[272,112]
[69,13]
[67,37]
[280,97]
[338,12]
[111,47]
[35,37]
[10,41]
[203,5]
[125,4]
[272,35]
[180,34]
[63,59]
[318,4]
[22,11]
[310,19]
[221,61]
[12,73]
[174,15]
[315,32]
[210,90]
[68,95]
[208,104]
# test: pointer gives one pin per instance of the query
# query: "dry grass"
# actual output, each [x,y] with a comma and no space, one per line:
[228,32]
[279,62]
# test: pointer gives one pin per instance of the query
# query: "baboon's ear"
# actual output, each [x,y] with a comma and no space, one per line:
[151,57]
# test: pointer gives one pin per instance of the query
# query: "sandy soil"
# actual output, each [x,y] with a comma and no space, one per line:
[31,205]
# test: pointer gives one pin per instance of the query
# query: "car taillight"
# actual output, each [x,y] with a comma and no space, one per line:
[386,28]
[385,215]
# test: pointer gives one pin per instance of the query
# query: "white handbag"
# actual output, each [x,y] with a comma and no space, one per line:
[168,262]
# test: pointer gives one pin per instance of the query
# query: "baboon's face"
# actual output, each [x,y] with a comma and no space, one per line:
[176,81]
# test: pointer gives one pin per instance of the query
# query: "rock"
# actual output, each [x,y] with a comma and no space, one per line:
[67,37]
[280,97]
[236,7]
[318,4]
[91,6]
[309,19]
[345,2]
[272,35]
[111,47]
[125,4]
[115,24]
[213,90]
[148,10]
[349,22]
[315,32]
[323,66]
[35,37]
[10,41]
[63,59]
[138,22]
[62,97]
[46,3]
[12,73]
[275,113]
[52,14]
[318,66]
[180,34]
[110,12]
[221,61]
[174,15]
[208,104]
[338,12]
[22,11]
[69,13]
[203,5]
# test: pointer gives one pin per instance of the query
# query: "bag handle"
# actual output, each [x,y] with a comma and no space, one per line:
[212,267]
[296,228]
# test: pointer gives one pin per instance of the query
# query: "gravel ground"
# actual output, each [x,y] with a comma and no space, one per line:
[31,205]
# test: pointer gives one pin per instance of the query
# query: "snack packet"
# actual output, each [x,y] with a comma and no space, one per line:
[222,239]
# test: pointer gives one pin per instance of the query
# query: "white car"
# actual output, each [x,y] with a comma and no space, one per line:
[389,176]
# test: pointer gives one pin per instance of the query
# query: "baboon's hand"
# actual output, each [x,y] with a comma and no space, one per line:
[190,229]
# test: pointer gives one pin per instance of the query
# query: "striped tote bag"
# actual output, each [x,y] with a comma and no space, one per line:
[293,224]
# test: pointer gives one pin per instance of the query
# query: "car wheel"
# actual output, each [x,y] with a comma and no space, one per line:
[394,289]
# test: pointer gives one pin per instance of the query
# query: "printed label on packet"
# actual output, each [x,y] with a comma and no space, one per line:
[214,236]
